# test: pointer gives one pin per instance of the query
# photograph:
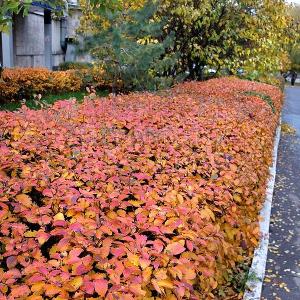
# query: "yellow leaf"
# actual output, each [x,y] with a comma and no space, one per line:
[110,188]
[136,203]
[239,190]
[171,297]
[38,287]
[180,198]
[144,263]
[30,234]
[133,258]
[171,221]
[176,273]
[25,171]
[53,250]
[189,234]
[59,217]
[112,215]
[147,275]
[230,232]
[254,241]
[207,214]
[233,167]
[34,297]
[213,283]
[42,238]
[16,133]
[237,198]
[67,175]
[76,282]
[121,213]
[90,214]
[161,274]
[79,183]
[166,283]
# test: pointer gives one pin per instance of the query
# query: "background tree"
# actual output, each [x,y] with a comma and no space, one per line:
[128,44]
[271,31]
[228,34]
[294,50]
[94,12]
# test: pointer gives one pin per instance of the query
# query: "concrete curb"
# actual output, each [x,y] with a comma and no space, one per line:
[257,271]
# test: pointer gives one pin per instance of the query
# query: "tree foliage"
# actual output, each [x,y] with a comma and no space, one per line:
[224,35]
[294,51]
[94,17]
[130,46]
[228,35]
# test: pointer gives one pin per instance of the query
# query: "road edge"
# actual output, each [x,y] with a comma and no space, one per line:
[258,267]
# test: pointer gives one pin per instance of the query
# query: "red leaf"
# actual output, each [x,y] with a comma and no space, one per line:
[81,269]
[20,291]
[89,287]
[190,245]
[101,286]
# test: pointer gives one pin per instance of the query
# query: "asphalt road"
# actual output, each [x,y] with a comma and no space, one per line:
[282,279]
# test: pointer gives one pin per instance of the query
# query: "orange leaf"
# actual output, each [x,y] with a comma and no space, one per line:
[24,199]
[175,248]
[51,290]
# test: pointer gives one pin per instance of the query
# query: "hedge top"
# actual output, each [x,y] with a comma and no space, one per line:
[138,196]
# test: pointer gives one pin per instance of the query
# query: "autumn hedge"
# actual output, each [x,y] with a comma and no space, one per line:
[140,196]
[19,83]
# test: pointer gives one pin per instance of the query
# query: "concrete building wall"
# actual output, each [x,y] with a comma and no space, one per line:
[39,40]
[73,22]
[29,39]
[72,25]
[57,52]
[48,39]
[56,37]
[6,53]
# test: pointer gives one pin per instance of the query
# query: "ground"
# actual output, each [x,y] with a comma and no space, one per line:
[50,99]
[283,267]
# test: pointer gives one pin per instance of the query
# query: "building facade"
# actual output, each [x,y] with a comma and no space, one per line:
[41,39]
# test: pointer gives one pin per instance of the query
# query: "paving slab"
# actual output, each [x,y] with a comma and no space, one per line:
[282,279]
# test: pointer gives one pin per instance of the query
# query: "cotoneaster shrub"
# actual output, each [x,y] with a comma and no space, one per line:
[19,83]
[135,197]
[23,82]
[65,81]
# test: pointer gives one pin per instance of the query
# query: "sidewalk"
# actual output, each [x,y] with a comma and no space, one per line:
[282,279]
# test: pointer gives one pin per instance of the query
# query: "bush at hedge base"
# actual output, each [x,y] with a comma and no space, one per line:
[19,83]
[135,197]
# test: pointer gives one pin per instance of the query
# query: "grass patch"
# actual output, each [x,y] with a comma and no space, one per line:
[49,99]
[264,97]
